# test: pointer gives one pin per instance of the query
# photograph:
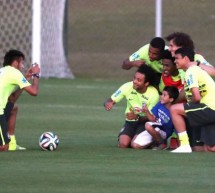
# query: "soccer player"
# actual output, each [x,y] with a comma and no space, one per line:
[138,92]
[160,125]
[178,40]
[171,76]
[200,92]
[11,77]
[149,54]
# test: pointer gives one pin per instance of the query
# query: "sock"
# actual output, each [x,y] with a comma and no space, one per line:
[183,137]
[12,144]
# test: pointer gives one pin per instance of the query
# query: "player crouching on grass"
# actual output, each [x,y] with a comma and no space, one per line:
[12,84]
[200,109]
[160,125]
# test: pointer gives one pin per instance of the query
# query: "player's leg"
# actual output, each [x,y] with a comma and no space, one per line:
[153,129]
[178,113]
[4,137]
[126,134]
[159,136]
[11,114]
[142,140]
[208,137]
[11,122]
[194,134]
[124,141]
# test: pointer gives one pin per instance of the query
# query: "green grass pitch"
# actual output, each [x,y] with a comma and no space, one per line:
[88,160]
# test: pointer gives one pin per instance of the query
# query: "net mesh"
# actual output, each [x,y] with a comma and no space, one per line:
[16,33]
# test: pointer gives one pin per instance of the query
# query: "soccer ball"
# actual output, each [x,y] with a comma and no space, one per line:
[48,141]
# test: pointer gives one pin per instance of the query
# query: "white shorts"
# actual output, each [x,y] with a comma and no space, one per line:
[145,138]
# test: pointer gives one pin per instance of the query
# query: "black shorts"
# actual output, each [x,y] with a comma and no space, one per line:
[4,137]
[8,110]
[200,118]
[208,135]
[132,128]
[199,115]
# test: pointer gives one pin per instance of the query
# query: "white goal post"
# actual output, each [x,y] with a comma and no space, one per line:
[36,27]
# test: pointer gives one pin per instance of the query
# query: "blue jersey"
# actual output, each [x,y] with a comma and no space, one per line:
[163,117]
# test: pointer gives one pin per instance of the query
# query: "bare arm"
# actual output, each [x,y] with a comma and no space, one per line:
[209,69]
[196,97]
[33,89]
[14,96]
[181,96]
[129,64]
[149,115]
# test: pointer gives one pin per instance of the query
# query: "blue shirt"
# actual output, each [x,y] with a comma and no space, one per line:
[163,117]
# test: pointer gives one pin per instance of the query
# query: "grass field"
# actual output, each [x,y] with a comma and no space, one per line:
[88,159]
[102,33]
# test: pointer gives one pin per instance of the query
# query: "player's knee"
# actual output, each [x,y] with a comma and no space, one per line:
[124,141]
[123,144]
[147,126]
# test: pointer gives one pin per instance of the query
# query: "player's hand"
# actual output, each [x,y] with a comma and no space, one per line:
[127,66]
[145,108]
[35,68]
[109,104]
[28,74]
[139,63]
[131,115]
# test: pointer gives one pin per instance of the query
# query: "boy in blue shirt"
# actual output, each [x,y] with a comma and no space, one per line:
[160,126]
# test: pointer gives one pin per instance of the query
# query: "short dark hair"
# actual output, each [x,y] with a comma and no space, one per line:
[185,51]
[158,42]
[167,55]
[148,72]
[172,91]
[181,39]
[11,56]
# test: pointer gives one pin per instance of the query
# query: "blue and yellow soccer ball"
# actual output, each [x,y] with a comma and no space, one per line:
[48,141]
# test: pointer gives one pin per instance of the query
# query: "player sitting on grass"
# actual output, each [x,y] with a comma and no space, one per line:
[160,125]
[137,92]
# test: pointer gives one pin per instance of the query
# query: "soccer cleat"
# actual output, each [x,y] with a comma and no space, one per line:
[183,149]
[18,147]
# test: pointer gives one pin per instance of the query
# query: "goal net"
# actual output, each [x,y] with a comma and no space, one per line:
[41,41]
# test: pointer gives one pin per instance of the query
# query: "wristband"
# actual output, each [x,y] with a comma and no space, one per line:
[36,75]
